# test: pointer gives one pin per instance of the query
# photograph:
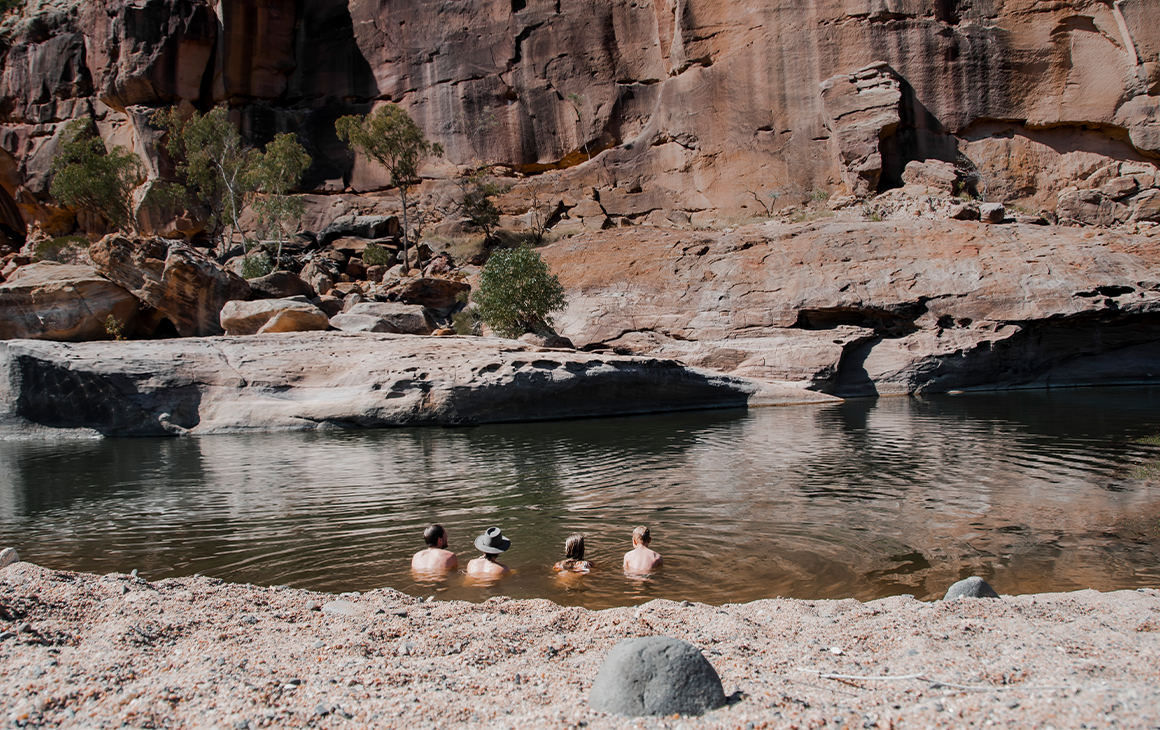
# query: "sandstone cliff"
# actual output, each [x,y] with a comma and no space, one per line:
[671,111]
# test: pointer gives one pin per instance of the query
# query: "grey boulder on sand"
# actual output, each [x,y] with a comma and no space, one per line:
[656,675]
[973,587]
[8,556]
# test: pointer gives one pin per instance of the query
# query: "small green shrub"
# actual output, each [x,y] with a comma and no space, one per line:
[518,292]
[257,264]
[466,322]
[819,196]
[64,250]
[374,255]
[115,328]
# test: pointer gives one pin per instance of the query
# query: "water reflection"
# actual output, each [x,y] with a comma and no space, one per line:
[863,499]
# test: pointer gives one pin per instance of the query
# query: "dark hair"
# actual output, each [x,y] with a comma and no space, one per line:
[432,535]
[642,535]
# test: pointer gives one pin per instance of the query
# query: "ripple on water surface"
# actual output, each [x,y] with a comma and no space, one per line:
[1036,491]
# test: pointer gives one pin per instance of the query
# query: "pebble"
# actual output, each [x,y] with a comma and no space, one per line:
[342,608]
[249,619]
[322,710]
[313,606]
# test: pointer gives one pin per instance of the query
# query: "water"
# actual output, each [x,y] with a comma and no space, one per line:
[1035,491]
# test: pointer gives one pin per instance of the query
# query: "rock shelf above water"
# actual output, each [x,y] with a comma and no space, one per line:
[335,380]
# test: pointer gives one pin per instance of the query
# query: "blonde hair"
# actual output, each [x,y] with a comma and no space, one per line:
[574,547]
[642,535]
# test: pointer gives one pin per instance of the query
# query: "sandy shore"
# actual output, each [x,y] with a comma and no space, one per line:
[82,650]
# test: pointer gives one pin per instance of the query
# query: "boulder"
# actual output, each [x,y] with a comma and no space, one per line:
[320,273]
[992,212]
[1120,187]
[656,675]
[861,110]
[1088,207]
[410,319]
[361,227]
[330,305]
[375,274]
[280,285]
[66,302]
[549,339]
[428,291]
[8,556]
[1146,206]
[178,280]
[973,587]
[964,212]
[249,318]
[356,270]
[296,320]
[935,175]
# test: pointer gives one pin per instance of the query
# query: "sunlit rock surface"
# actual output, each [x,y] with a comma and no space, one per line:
[335,380]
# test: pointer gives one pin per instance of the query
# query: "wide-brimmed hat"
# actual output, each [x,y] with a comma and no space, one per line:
[492,541]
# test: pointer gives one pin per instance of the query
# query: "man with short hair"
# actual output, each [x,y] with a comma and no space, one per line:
[436,558]
[640,559]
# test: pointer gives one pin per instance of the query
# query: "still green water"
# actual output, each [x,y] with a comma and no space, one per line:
[1035,491]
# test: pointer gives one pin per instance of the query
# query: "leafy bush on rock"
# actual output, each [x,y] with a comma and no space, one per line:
[518,292]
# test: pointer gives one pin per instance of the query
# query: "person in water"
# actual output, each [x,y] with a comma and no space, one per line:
[491,543]
[640,559]
[574,561]
[436,558]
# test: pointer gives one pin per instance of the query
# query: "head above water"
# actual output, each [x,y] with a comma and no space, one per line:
[574,547]
[433,535]
[641,536]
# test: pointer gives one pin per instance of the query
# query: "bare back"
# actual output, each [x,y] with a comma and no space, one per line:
[434,560]
[642,560]
[486,568]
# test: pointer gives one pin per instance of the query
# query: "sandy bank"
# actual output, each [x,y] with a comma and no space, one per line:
[105,651]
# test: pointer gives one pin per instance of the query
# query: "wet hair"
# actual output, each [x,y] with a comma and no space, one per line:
[574,547]
[432,535]
[642,535]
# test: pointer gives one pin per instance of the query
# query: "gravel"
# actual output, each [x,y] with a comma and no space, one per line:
[80,651]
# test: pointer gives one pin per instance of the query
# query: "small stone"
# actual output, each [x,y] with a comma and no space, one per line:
[133,572]
[8,556]
[319,644]
[399,612]
[124,589]
[322,711]
[973,587]
[656,675]
[342,608]
[249,620]
[241,724]
[313,606]
[836,650]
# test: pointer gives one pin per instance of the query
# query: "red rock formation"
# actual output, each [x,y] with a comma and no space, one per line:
[672,106]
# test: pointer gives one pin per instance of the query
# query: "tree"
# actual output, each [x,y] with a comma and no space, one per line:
[90,178]
[477,201]
[214,162]
[278,169]
[391,138]
[518,292]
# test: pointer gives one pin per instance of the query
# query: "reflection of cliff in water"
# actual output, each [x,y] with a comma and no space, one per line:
[865,498]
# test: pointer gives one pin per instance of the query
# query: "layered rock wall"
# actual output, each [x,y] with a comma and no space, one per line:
[671,110]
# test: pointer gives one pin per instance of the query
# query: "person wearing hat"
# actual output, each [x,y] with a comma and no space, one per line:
[491,543]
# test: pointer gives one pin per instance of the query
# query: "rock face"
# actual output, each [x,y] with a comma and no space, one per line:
[656,675]
[331,380]
[51,301]
[787,102]
[179,281]
[854,308]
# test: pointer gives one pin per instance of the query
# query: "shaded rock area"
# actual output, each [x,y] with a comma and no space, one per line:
[336,380]
[51,301]
[860,308]
[76,647]
[180,282]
